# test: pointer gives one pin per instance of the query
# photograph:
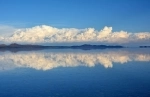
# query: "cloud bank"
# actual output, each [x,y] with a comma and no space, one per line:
[48,60]
[48,34]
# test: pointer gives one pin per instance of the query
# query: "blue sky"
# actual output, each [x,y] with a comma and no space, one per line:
[96,21]
[128,15]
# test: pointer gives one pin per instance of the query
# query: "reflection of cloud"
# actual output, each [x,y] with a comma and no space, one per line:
[48,34]
[48,60]
[142,57]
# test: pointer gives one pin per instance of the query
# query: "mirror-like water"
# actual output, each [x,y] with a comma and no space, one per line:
[75,73]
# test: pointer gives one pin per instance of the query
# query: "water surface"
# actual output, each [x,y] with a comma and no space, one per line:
[75,73]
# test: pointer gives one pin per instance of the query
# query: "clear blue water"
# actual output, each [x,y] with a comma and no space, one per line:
[100,73]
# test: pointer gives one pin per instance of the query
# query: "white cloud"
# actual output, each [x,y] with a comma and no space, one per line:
[48,34]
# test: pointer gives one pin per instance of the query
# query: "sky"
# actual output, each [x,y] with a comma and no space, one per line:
[20,18]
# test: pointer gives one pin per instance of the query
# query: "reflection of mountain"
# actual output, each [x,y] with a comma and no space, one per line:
[45,60]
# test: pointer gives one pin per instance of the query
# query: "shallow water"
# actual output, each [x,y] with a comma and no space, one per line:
[75,73]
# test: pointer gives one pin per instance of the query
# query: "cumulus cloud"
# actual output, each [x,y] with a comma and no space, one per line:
[42,60]
[48,34]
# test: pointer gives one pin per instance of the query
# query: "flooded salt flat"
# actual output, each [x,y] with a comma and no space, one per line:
[75,73]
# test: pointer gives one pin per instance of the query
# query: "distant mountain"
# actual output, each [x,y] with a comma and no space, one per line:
[19,45]
[14,47]
[144,46]
[88,46]
[85,46]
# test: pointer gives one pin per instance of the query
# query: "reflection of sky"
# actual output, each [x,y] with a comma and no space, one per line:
[45,60]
